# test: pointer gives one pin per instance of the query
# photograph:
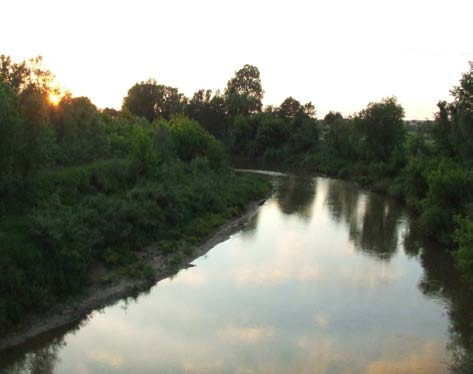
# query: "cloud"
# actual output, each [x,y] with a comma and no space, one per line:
[321,319]
[106,358]
[425,360]
[246,334]
[191,277]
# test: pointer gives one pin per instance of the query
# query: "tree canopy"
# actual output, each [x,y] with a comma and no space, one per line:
[244,92]
[151,100]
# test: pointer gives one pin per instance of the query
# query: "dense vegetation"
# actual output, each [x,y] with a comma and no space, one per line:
[80,187]
[428,167]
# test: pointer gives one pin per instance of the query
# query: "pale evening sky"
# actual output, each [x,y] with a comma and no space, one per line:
[338,54]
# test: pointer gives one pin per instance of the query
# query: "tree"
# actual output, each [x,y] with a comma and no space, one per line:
[461,115]
[289,108]
[292,111]
[209,111]
[331,117]
[20,76]
[11,134]
[244,92]
[272,132]
[381,127]
[453,127]
[31,83]
[80,130]
[151,100]
[191,141]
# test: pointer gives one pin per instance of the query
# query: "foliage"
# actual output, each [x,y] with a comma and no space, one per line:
[192,141]
[209,111]
[12,131]
[381,128]
[244,92]
[105,212]
[151,100]
[463,236]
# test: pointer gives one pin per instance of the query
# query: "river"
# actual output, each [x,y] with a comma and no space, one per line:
[326,278]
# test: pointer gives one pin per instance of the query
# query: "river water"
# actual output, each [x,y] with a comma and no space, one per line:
[326,278]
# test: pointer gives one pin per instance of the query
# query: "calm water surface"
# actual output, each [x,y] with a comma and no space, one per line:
[326,278]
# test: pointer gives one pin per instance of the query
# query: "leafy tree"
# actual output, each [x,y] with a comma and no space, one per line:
[442,129]
[453,127]
[192,141]
[293,112]
[244,92]
[272,132]
[151,100]
[209,111]
[81,133]
[21,76]
[461,115]
[449,192]
[142,147]
[463,236]
[289,108]
[331,117]
[242,135]
[35,106]
[11,134]
[31,83]
[381,127]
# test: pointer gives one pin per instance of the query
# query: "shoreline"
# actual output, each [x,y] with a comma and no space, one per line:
[98,296]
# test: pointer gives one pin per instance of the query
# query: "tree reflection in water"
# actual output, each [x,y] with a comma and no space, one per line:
[295,195]
[375,222]
[40,357]
[441,281]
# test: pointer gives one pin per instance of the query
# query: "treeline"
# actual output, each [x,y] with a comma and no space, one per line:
[430,168]
[81,187]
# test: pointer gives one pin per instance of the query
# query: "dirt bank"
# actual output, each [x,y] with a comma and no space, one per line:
[98,295]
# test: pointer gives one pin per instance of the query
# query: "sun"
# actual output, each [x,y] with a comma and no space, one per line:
[54,99]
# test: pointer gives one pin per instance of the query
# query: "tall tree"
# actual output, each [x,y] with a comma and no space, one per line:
[289,108]
[151,100]
[381,127]
[331,117]
[244,92]
[31,83]
[209,111]
[461,115]
[11,134]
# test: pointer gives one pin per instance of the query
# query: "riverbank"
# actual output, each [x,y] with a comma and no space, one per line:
[99,295]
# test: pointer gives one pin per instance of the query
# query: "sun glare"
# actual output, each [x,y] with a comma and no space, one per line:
[54,98]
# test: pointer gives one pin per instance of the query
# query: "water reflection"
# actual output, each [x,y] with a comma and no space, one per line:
[326,278]
[441,281]
[39,356]
[250,229]
[295,195]
[373,220]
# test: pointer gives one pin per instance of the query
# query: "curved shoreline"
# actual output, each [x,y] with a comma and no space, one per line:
[98,296]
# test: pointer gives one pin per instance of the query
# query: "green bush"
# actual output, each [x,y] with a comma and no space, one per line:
[192,141]
[463,236]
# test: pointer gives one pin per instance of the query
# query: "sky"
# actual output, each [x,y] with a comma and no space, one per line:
[338,54]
